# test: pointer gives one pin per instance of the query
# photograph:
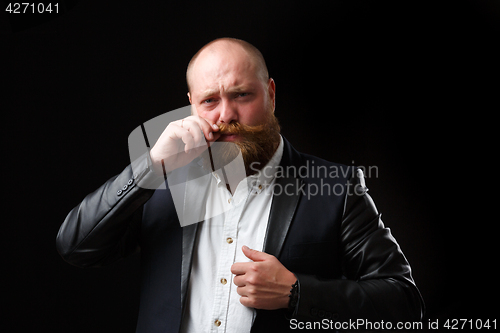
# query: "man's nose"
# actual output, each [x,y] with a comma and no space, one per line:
[228,112]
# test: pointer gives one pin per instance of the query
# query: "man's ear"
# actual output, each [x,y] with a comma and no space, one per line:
[271,90]
[192,105]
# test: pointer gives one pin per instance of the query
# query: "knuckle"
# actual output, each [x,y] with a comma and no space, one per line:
[253,280]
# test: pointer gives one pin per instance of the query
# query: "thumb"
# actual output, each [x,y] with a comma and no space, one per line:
[254,254]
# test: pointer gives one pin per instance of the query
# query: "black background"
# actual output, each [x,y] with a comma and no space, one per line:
[409,87]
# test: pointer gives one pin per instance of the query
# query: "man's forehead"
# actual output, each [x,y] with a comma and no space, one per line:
[223,61]
[222,73]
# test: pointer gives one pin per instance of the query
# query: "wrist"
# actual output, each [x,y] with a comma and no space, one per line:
[156,164]
[294,297]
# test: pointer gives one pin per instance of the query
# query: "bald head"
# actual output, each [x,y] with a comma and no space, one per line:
[225,48]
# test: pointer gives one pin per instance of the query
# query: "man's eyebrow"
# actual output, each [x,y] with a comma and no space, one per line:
[239,89]
[208,93]
[232,90]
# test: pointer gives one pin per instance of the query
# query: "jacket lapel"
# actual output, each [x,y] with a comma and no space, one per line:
[189,229]
[188,239]
[284,203]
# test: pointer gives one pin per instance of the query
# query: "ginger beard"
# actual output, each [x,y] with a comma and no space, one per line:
[256,143]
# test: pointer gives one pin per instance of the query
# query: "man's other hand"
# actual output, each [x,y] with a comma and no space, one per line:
[264,283]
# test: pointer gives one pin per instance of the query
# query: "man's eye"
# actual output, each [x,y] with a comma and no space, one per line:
[208,101]
[242,94]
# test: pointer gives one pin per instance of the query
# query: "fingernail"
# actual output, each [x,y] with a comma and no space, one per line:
[215,127]
[211,136]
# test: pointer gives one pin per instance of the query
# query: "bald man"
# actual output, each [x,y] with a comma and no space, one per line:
[280,257]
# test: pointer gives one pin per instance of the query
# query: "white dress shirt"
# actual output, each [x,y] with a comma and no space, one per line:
[213,305]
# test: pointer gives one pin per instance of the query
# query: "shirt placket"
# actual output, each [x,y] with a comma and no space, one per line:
[228,252]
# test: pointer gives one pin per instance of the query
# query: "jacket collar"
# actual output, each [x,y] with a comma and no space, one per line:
[285,201]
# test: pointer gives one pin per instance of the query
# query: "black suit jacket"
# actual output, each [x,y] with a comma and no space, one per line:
[347,263]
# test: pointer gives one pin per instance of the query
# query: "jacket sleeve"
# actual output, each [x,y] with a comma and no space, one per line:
[378,284]
[105,226]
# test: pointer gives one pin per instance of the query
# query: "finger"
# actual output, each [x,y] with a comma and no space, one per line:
[177,132]
[254,254]
[239,280]
[239,268]
[247,291]
[213,126]
[241,291]
[216,135]
[206,126]
[210,129]
[188,140]
[244,300]
[180,134]
[194,128]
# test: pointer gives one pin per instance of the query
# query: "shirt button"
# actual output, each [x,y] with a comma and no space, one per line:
[229,200]
[217,322]
[260,187]
[223,281]
[229,240]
